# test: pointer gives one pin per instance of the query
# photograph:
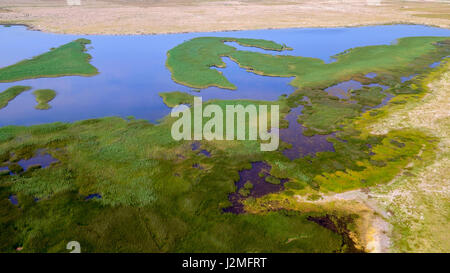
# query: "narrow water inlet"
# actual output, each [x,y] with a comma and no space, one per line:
[93,196]
[340,90]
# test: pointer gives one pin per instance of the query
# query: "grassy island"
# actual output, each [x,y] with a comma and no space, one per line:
[43,97]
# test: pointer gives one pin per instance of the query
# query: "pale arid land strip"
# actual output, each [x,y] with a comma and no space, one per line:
[175,16]
[416,203]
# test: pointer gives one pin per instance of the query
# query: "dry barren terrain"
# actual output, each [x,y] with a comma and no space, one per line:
[173,16]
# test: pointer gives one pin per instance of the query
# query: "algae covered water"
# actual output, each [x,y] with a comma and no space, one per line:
[133,69]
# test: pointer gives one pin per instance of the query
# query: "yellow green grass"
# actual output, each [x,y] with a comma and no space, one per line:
[67,60]
[43,97]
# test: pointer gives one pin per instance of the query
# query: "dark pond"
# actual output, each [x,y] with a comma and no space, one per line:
[41,159]
[93,196]
[341,90]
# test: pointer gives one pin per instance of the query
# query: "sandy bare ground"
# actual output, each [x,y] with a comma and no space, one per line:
[174,16]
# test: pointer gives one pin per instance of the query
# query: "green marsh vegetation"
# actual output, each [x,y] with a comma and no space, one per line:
[11,93]
[373,159]
[43,97]
[368,96]
[190,62]
[272,180]
[67,60]
[148,184]
[172,99]
[259,43]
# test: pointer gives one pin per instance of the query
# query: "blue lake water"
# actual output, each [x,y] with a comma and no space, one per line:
[371,75]
[132,69]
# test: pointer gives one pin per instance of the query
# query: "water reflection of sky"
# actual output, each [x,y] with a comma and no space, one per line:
[132,69]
